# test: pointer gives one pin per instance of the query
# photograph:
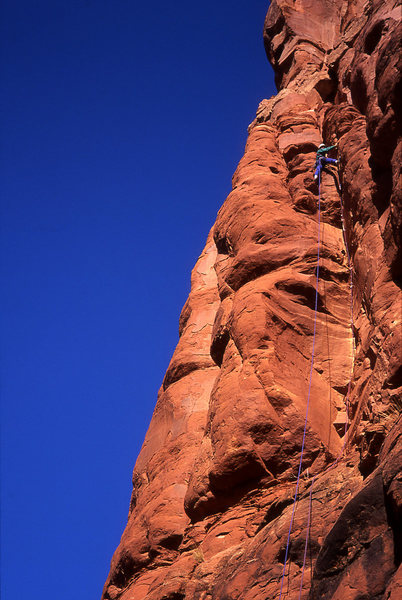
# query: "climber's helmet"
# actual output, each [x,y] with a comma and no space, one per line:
[321,146]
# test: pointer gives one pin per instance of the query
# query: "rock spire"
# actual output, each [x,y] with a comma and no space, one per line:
[213,485]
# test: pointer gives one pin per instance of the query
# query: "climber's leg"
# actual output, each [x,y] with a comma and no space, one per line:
[318,169]
[331,161]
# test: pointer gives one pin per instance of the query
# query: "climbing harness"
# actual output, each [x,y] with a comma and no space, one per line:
[321,163]
[332,465]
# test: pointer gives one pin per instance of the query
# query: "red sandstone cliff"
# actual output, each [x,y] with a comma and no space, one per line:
[215,479]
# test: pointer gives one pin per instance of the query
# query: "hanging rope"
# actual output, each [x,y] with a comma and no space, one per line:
[332,465]
[309,388]
[307,535]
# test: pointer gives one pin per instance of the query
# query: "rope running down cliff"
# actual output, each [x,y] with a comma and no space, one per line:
[309,388]
[332,465]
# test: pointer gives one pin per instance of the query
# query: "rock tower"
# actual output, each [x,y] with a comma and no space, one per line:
[214,483]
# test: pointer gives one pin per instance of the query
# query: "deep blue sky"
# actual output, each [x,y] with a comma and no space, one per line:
[122,124]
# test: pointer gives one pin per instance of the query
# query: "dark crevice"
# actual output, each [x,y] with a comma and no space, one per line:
[280,557]
[394,518]
[283,68]
[124,571]
[373,37]
[328,88]
[342,389]
[252,268]
[232,494]
[179,370]
[218,347]
[274,511]
[370,449]
[395,380]
[296,551]
[396,269]
[358,88]
[260,238]
[222,244]
[372,356]
[327,275]
[382,191]
[303,293]
[172,542]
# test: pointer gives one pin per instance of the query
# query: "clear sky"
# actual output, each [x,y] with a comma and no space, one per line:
[122,124]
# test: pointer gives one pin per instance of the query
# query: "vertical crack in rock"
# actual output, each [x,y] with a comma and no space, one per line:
[214,481]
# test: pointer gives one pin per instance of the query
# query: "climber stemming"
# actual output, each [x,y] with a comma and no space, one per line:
[322,160]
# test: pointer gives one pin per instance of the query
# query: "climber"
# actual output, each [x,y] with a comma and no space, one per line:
[322,160]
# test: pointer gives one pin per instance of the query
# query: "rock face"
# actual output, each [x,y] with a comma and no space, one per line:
[214,484]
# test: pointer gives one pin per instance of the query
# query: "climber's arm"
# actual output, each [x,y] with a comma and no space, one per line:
[328,148]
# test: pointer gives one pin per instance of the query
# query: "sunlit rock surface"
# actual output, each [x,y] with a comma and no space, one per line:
[214,483]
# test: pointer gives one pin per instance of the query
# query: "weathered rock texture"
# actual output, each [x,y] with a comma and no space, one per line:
[215,479]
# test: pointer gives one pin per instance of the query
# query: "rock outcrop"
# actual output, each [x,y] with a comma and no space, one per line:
[213,486]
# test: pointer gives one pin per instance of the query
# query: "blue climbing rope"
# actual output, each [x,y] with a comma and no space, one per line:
[333,464]
[309,388]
